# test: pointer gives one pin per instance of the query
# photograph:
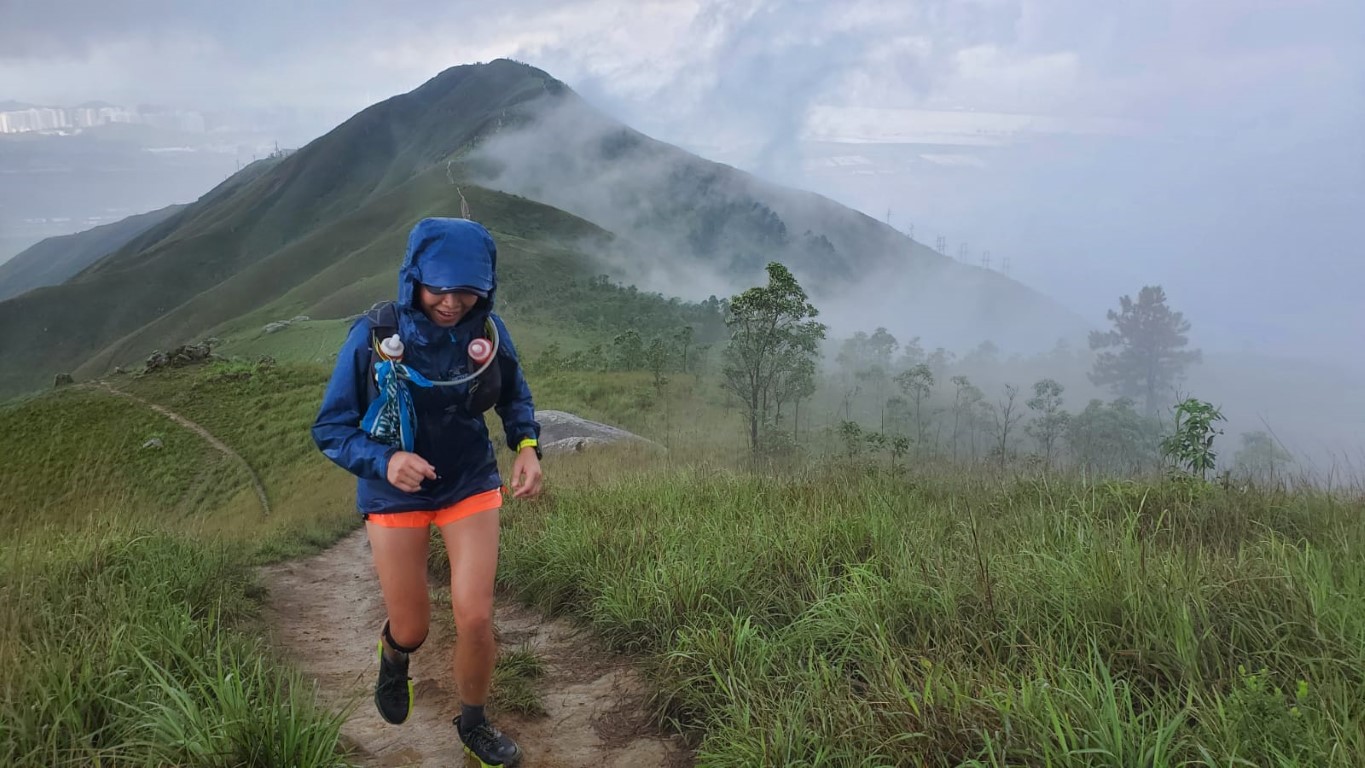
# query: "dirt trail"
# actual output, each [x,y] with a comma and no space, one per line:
[325,612]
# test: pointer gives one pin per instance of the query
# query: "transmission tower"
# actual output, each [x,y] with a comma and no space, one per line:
[1005,264]
[986,259]
[941,245]
[962,252]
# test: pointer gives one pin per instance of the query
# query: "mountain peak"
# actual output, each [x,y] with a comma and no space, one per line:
[512,77]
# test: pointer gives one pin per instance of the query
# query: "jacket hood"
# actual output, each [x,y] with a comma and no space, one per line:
[446,254]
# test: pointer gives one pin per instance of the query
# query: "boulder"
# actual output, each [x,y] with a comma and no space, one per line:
[562,432]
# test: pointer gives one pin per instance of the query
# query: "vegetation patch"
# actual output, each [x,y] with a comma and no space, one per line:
[125,646]
[878,618]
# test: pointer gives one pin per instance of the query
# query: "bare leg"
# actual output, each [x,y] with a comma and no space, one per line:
[472,544]
[400,559]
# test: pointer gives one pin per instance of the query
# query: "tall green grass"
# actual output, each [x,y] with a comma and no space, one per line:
[126,648]
[856,619]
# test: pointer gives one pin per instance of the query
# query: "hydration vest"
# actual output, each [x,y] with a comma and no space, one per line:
[483,391]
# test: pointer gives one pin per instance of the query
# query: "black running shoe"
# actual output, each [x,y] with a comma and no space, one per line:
[393,692]
[489,746]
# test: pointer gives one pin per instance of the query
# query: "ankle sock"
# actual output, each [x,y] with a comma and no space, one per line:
[471,717]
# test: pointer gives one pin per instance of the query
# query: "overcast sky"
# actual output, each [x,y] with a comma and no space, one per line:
[1214,147]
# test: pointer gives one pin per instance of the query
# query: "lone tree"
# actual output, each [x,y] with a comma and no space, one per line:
[917,383]
[1050,421]
[1007,413]
[773,343]
[1150,341]
[657,355]
[630,350]
[684,337]
[965,401]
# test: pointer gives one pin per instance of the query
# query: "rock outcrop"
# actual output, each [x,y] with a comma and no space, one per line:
[562,432]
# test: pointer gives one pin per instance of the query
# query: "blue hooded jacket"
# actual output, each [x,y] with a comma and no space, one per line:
[441,253]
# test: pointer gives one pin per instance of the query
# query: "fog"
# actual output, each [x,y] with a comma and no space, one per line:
[1216,149]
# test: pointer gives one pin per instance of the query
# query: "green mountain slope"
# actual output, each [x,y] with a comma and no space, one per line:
[337,270]
[55,259]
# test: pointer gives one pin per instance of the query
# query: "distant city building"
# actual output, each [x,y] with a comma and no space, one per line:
[33,119]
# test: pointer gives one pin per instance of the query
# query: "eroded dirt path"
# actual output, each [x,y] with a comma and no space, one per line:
[324,613]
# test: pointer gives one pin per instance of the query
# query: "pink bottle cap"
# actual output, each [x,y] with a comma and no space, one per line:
[480,350]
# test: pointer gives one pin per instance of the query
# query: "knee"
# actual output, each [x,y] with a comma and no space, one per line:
[473,620]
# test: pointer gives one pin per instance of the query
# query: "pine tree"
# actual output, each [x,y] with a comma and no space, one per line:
[1150,341]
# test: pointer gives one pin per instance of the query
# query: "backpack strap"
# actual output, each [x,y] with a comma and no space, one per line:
[383,320]
[486,390]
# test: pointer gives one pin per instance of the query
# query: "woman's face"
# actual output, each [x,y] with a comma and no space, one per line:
[446,309]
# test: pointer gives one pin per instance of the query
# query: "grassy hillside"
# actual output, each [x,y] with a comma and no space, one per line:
[57,258]
[344,268]
[88,463]
[836,614]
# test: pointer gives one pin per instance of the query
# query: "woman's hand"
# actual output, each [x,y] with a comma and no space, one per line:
[407,470]
[526,474]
